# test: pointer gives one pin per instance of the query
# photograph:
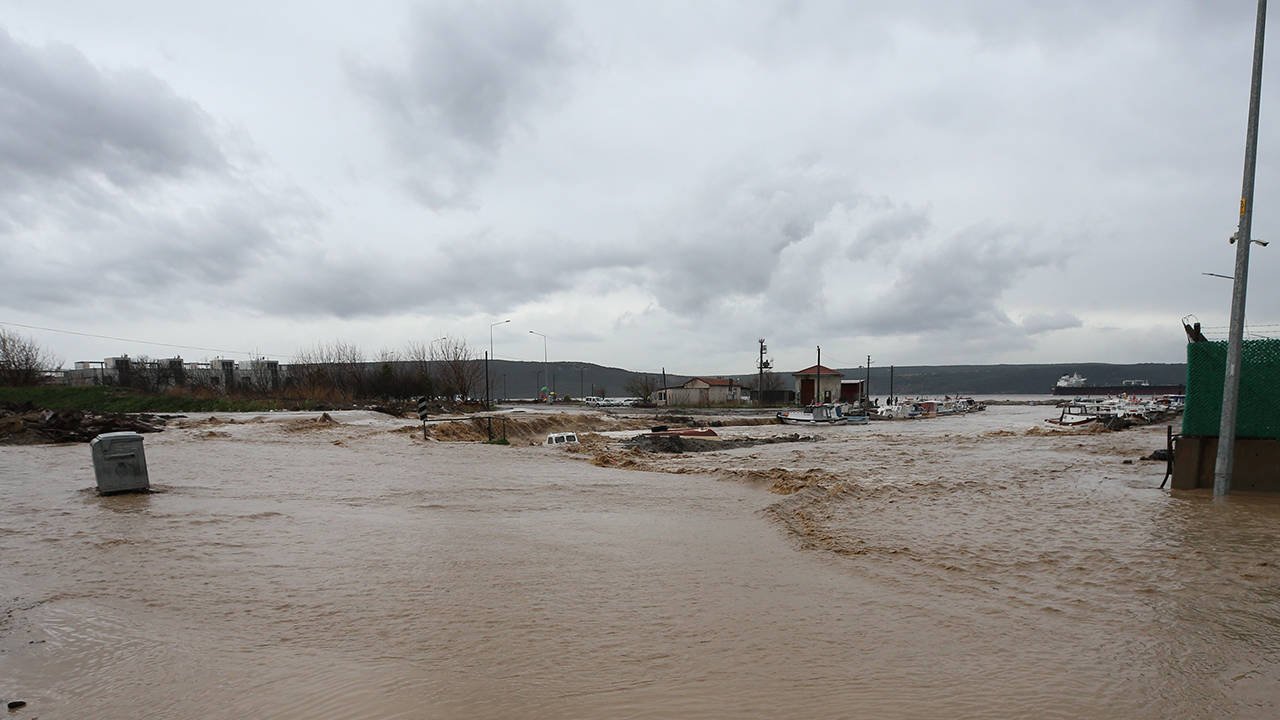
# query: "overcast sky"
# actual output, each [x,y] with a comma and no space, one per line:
[648,184]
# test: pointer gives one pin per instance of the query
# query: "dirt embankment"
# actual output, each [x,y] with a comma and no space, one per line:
[668,454]
[533,429]
[523,430]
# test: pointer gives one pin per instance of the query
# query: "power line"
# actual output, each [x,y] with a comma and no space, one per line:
[142,342]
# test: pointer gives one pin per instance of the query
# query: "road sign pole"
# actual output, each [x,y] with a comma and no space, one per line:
[422,415]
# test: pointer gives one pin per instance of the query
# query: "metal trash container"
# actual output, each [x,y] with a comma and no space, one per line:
[119,463]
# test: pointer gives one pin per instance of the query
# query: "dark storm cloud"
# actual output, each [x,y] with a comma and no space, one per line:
[481,271]
[473,72]
[113,186]
[64,120]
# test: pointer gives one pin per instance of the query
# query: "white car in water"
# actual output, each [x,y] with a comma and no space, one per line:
[562,438]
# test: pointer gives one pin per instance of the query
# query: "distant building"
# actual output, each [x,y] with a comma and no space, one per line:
[818,384]
[700,391]
[164,373]
[853,391]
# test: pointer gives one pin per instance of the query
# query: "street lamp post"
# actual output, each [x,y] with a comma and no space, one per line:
[431,358]
[544,354]
[488,398]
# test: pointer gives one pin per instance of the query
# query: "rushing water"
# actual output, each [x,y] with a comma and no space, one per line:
[969,567]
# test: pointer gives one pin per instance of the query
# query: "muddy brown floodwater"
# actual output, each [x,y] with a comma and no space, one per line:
[970,567]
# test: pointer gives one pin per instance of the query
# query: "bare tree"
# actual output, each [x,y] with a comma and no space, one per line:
[349,368]
[144,374]
[772,382]
[386,380]
[641,385]
[22,360]
[311,371]
[421,373]
[264,374]
[460,372]
[336,367]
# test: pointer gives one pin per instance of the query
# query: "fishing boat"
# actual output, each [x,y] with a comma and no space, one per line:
[1080,412]
[1131,408]
[825,414]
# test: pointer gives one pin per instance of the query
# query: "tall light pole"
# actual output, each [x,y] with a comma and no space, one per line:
[1225,462]
[544,355]
[431,358]
[488,399]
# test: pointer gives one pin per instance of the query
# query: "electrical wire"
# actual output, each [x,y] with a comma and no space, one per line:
[143,342]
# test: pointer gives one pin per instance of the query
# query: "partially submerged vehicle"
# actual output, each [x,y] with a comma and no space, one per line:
[562,438]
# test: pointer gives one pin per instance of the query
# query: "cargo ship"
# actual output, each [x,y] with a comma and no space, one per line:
[1076,385]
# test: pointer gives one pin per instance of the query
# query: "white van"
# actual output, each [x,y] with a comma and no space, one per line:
[564,438]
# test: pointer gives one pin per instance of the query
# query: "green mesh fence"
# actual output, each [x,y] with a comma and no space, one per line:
[1258,415]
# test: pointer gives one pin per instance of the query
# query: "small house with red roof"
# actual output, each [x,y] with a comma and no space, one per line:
[700,392]
[818,384]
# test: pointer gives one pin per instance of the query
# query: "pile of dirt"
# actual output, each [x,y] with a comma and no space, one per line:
[25,425]
[212,421]
[323,422]
[529,430]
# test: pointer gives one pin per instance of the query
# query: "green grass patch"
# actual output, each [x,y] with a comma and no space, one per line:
[124,400]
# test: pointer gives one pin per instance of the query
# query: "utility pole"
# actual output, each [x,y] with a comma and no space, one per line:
[817,383]
[890,385]
[867,387]
[762,365]
[1225,462]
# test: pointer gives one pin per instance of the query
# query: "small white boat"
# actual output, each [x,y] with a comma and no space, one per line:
[816,415]
[1079,412]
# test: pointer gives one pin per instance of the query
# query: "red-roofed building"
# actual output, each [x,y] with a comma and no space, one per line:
[700,391]
[817,384]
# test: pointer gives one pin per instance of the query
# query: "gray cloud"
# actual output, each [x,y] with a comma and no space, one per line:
[1037,323]
[64,120]
[956,284]
[473,73]
[112,186]
[728,241]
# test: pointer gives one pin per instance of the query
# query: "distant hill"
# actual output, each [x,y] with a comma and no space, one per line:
[522,379]
[1009,379]
[578,379]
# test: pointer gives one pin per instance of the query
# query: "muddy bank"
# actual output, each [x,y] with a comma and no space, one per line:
[532,429]
[26,425]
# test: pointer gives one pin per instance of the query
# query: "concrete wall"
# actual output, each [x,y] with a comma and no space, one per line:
[1257,466]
